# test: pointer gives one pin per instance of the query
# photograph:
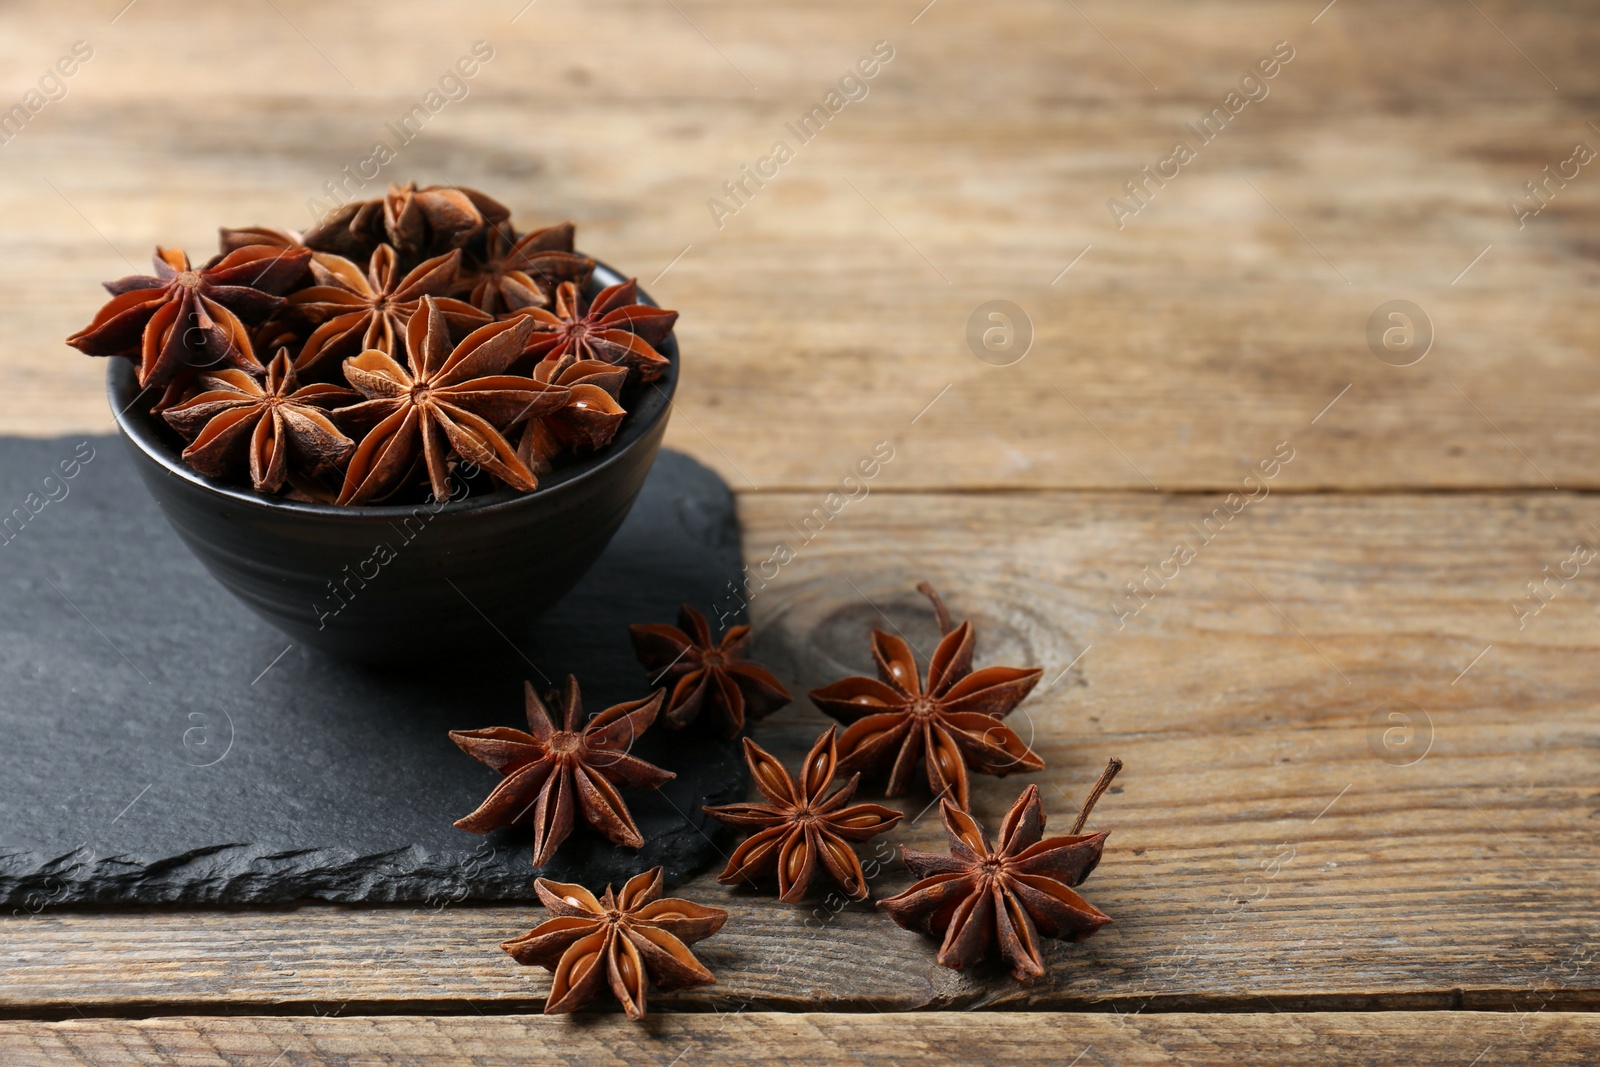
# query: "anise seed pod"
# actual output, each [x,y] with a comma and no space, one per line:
[623,940]
[802,829]
[951,722]
[980,898]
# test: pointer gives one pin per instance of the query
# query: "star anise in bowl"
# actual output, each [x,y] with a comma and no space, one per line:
[464,418]
[351,285]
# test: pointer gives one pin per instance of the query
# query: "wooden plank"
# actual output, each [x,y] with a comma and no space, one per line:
[1269,848]
[1355,1039]
[1217,321]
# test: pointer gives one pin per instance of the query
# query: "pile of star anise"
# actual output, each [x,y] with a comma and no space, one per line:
[414,343]
[982,900]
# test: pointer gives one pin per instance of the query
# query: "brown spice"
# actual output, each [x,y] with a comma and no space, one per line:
[182,317]
[624,940]
[802,828]
[952,722]
[234,423]
[356,311]
[980,898]
[451,399]
[714,679]
[614,329]
[552,774]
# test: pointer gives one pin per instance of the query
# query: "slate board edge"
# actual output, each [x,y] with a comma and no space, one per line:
[223,874]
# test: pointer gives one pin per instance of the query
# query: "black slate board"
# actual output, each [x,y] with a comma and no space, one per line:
[163,744]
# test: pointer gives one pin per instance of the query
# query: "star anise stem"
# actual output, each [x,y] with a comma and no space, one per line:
[1112,767]
[942,613]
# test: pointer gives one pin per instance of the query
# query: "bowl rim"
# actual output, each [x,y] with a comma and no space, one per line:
[139,428]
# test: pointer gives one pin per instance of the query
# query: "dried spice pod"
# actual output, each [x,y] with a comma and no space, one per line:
[450,398]
[273,430]
[713,679]
[980,899]
[517,272]
[441,408]
[587,421]
[182,318]
[231,239]
[437,218]
[615,328]
[951,722]
[356,311]
[352,230]
[626,941]
[553,774]
[802,828]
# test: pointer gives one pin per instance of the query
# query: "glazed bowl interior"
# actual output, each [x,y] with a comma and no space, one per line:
[354,580]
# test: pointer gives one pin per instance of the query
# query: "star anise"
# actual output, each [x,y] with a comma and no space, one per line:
[800,828]
[623,941]
[552,773]
[448,398]
[714,678]
[231,239]
[437,218]
[613,329]
[181,317]
[359,311]
[518,272]
[276,430]
[351,230]
[979,897]
[587,421]
[417,222]
[952,723]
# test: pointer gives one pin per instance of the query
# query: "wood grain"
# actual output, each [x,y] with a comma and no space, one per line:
[1283,849]
[834,305]
[1307,1040]
[1268,850]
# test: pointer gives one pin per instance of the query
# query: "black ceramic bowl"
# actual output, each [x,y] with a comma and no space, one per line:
[400,581]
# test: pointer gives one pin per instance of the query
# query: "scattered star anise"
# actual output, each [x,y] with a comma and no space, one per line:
[359,311]
[800,828]
[614,329]
[518,272]
[450,398]
[275,430]
[623,940]
[952,723]
[551,774]
[181,317]
[709,677]
[979,897]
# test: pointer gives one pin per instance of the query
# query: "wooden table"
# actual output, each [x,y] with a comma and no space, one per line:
[1295,875]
